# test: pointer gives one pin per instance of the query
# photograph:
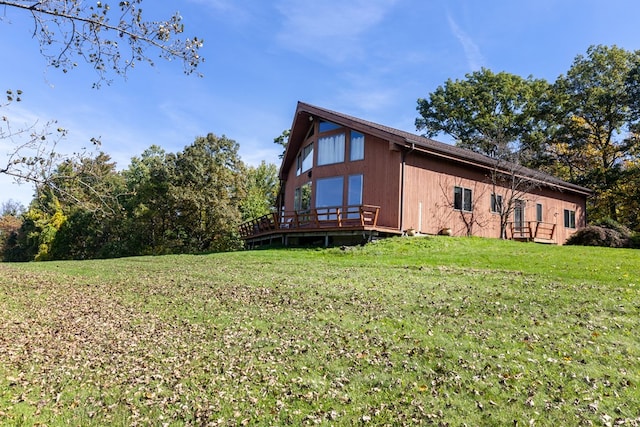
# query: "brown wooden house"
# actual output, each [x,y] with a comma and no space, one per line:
[346,180]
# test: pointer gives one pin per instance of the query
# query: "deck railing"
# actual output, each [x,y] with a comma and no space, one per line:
[356,216]
[532,230]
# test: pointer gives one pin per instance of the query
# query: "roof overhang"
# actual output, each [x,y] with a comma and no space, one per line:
[306,114]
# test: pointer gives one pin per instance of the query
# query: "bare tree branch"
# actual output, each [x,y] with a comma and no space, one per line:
[67,29]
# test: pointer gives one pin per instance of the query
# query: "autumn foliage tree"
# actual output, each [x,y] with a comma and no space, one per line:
[593,117]
[583,128]
[186,202]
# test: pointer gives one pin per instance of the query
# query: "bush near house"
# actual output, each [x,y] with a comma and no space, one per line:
[606,233]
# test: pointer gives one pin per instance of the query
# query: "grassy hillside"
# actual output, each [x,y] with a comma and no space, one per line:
[404,331]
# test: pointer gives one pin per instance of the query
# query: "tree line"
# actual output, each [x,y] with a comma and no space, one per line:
[186,202]
[583,128]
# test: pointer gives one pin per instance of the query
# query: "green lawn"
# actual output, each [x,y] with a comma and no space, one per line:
[433,331]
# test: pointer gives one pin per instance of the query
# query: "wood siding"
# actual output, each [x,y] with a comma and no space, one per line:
[381,178]
[429,186]
[411,179]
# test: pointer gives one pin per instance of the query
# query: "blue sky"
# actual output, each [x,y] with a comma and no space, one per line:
[369,58]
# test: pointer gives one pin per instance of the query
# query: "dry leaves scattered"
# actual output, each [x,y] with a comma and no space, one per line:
[244,342]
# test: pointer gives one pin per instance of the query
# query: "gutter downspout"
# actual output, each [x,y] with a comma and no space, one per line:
[404,158]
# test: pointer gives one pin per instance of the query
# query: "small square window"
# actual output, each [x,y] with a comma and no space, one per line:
[331,149]
[462,199]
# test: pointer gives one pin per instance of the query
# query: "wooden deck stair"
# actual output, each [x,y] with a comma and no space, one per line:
[533,231]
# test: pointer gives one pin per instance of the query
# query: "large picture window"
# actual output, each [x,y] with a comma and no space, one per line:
[331,149]
[356,146]
[328,196]
[462,199]
[329,192]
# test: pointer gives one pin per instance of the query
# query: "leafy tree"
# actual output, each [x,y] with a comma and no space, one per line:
[628,208]
[207,191]
[111,40]
[10,223]
[150,209]
[81,236]
[89,183]
[495,115]
[262,191]
[283,140]
[492,114]
[38,230]
[593,113]
[78,215]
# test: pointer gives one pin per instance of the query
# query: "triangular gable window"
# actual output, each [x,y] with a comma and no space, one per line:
[325,126]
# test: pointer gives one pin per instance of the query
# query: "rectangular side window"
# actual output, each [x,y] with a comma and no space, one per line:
[539,212]
[356,146]
[457,198]
[466,201]
[304,161]
[569,218]
[496,203]
[462,199]
[302,198]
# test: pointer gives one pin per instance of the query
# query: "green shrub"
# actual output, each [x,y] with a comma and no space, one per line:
[608,234]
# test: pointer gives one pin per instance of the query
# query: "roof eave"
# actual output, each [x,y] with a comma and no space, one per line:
[490,165]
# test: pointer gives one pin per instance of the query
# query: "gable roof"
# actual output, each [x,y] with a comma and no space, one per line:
[305,113]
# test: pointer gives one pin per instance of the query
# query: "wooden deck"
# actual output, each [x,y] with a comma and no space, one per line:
[345,222]
[532,231]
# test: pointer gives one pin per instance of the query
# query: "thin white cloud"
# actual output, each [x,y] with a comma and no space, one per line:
[332,29]
[229,10]
[371,96]
[217,5]
[474,57]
